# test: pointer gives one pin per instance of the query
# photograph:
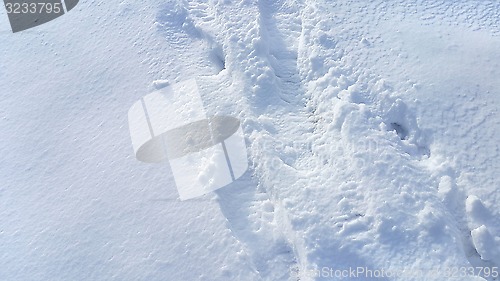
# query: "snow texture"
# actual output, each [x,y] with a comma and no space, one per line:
[371,131]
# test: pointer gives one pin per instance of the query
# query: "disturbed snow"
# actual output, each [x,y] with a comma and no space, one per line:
[372,134]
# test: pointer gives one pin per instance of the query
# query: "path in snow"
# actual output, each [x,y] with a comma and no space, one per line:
[364,164]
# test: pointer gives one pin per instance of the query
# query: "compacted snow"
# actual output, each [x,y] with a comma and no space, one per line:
[371,130]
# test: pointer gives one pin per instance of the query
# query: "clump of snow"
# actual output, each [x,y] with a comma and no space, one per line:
[480,222]
[158,84]
[486,245]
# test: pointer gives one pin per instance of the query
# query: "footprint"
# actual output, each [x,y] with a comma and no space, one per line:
[218,58]
[400,119]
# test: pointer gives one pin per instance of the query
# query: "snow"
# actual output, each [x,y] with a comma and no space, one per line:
[478,216]
[371,133]
[485,244]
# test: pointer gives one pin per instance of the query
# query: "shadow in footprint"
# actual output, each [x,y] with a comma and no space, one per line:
[401,131]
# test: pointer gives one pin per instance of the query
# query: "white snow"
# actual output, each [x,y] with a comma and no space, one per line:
[485,244]
[371,131]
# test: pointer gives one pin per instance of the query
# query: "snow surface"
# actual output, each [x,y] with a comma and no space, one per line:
[372,134]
